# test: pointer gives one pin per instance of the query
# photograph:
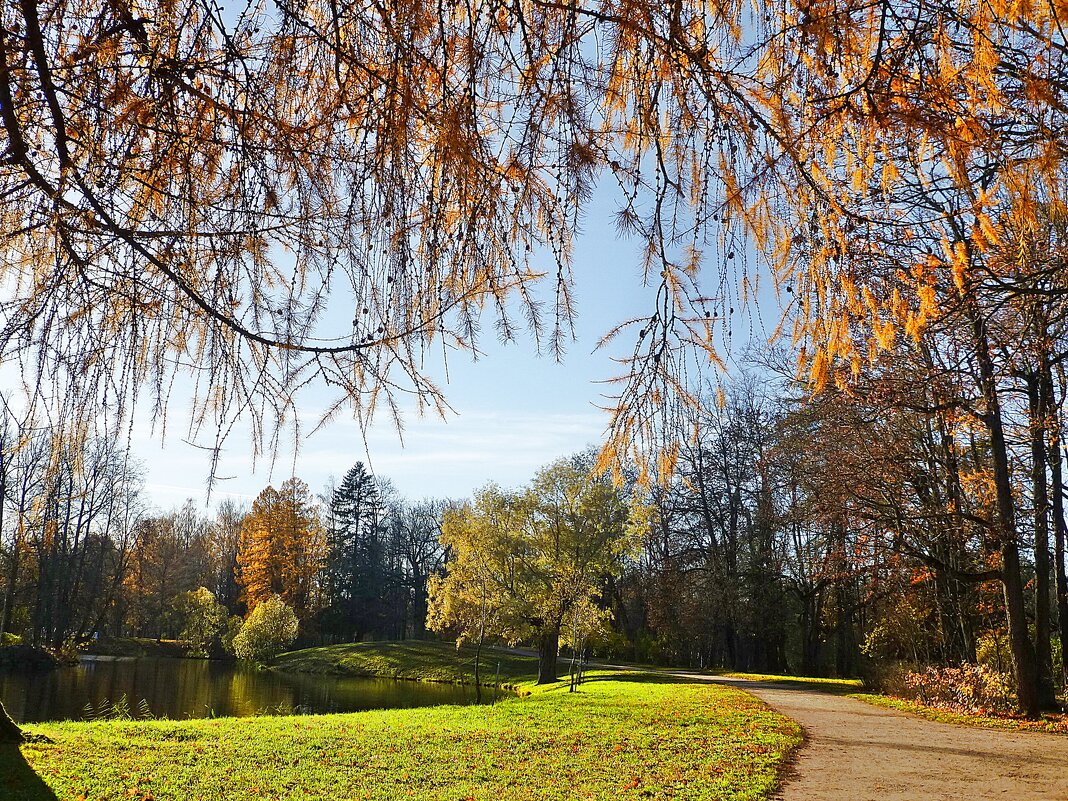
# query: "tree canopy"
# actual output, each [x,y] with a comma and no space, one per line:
[289,194]
[292,192]
[521,564]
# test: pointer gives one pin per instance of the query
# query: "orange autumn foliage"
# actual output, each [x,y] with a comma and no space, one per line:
[281,549]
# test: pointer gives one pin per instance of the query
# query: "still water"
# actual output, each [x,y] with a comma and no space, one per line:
[196,688]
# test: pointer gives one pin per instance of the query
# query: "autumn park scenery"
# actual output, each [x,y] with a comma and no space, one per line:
[533,399]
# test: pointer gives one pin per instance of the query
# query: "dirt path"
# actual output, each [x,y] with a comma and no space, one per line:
[858,752]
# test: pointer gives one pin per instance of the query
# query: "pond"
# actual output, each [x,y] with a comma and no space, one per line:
[198,688]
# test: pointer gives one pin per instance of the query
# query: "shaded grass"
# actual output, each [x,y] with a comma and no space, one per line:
[18,780]
[414,660]
[627,739]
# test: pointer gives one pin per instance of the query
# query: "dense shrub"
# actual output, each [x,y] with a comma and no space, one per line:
[887,678]
[968,688]
[28,658]
[993,650]
[269,630]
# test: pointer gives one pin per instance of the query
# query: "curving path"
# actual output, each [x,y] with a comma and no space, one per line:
[857,752]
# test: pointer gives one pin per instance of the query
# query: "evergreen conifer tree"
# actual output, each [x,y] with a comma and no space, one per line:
[356,561]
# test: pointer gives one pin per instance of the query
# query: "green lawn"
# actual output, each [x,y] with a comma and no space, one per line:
[415,660]
[625,736]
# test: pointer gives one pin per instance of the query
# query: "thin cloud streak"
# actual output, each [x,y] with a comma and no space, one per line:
[439,458]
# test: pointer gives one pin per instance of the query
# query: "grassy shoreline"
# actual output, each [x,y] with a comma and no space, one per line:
[624,735]
[414,660]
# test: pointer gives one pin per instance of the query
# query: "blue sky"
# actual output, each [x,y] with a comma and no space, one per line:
[515,410]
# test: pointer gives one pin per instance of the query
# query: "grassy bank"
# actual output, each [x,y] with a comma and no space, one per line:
[1054,722]
[413,660]
[625,736]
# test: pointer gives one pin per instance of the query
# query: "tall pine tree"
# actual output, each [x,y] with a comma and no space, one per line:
[356,564]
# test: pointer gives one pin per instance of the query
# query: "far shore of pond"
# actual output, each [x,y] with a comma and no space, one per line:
[417,660]
[153,687]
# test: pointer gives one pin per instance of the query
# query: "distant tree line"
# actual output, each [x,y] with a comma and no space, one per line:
[842,532]
[846,532]
[353,565]
[83,555]
[69,520]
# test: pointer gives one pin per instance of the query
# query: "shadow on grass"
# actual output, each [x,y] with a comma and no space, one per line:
[642,678]
[796,685]
[18,781]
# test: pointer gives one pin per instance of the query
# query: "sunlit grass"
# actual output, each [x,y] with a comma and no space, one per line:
[413,660]
[625,736]
[818,683]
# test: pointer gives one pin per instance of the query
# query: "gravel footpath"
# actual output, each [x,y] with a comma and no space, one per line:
[854,751]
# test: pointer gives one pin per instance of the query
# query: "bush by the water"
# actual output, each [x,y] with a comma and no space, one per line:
[269,630]
[233,628]
[203,619]
[976,689]
[26,657]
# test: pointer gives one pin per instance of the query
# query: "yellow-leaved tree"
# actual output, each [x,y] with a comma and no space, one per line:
[522,563]
[282,548]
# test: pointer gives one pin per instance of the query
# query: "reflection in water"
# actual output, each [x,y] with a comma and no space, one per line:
[194,688]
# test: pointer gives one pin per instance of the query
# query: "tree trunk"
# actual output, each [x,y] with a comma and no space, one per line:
[1023,652]
[9,583]
[1023,655]
[1057,488]
[1037,410]
[1060,534]
[810,634]
[478,653]
[548,649]
[9,730]
[9,590]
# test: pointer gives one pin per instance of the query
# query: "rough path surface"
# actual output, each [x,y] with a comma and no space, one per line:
[857,752]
